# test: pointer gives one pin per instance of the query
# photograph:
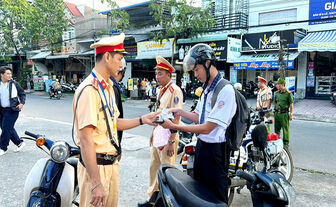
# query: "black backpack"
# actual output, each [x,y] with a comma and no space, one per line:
[239,125]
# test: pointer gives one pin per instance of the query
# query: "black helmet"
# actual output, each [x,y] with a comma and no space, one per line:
[198,54]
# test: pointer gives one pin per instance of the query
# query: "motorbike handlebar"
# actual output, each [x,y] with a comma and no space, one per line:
[247,176]
[31,134]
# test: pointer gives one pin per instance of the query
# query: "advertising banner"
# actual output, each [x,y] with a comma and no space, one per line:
[321,11]
[151,49]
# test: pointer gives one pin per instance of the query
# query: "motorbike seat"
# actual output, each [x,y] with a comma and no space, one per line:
[189,192]
[186,121]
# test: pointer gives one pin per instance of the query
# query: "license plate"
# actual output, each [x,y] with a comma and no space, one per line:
[190,164]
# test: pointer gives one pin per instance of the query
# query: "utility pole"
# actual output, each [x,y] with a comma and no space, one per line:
[94,29]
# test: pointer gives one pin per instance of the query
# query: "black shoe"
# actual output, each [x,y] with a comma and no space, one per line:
[145,204]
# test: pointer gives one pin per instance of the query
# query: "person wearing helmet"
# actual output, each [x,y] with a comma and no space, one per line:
[211,157]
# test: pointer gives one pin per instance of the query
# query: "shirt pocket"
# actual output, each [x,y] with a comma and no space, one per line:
[101,123]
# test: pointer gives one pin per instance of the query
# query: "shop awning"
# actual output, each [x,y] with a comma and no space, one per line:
[41,55]
[318,41]
[57,57]
[264,61]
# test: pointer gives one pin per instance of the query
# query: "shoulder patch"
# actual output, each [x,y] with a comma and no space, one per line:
[176,100]
[95,83]
[103,84]
[171,89]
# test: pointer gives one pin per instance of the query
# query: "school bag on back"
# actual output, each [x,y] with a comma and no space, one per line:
[241,120]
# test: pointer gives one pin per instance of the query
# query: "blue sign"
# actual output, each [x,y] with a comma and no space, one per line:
[261,65]
[322,11]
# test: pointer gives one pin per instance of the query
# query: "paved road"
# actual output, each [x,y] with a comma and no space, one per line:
[53,118]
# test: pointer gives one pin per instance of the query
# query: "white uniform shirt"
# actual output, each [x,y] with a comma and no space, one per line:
[4,94]
[221,114]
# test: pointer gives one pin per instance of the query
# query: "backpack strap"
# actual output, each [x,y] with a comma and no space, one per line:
[220,85]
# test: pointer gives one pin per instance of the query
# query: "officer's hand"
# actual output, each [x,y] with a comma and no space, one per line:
[170,149]
[151,140]
[97,195]
[176,111]
[168,124]
[291,116]
[150,118]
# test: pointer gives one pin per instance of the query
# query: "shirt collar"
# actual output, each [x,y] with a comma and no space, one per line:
[167,84]
[100,78]
[215,81]
[115,83]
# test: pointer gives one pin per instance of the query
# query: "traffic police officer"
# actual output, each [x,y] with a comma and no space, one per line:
[96,124]
[283,103]
[170,96]
[264,97]
[211,157]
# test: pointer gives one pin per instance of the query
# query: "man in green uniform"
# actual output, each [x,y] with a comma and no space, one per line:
[283,103]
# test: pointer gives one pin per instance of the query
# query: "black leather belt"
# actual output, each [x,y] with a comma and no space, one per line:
[281,111]
[103,159]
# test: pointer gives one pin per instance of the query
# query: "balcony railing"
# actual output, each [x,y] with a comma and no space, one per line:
[231,21]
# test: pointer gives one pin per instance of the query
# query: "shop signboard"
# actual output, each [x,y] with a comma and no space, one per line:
[186,77]
[218,46]
[290,84]
[152,49]
[264,61]
[310,81]
[270,40]
[132,51]
[322,11]
[233,51]
[233,75]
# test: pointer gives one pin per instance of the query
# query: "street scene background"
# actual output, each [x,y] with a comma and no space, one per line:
[312,146]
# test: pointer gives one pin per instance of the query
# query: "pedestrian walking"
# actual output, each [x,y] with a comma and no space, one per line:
[170,96]
[96,124]
[12,99]
[283,108]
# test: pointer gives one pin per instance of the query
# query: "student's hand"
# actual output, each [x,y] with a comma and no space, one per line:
[168,124]
[176,111]
[150,118]
[19,106]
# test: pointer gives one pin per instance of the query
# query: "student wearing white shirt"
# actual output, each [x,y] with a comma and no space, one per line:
[211,157]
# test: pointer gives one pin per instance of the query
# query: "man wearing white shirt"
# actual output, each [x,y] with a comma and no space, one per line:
[211,157]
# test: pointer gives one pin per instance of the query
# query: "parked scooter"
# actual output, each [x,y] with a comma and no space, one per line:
[52,181]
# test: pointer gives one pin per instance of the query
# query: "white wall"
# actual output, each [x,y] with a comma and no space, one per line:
[302,6]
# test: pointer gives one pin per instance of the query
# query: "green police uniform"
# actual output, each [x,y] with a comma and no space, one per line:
[283,100]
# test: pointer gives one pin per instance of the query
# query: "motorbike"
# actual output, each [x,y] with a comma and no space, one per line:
[250,89]
[54,93]
[151,105]
[267,188]
[52,181]
[249,157]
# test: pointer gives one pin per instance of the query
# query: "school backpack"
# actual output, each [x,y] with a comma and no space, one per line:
[239,125]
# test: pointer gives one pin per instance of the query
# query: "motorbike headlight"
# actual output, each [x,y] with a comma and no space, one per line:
[281,192]
[60,152]
[288,188]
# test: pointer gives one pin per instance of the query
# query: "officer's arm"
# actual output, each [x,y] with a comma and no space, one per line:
[124,124]
[291,108]
[88,153]
[205,128]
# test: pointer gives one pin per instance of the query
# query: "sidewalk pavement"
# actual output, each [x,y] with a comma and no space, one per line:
[306,109]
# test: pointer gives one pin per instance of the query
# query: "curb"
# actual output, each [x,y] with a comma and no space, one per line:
[314,118]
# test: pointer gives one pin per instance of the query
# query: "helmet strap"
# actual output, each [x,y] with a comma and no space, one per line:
[207,70]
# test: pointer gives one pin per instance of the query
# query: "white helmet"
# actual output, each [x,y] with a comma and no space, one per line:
[124,64]
[238,86]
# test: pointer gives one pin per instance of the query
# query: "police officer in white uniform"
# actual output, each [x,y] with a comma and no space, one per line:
[211,158]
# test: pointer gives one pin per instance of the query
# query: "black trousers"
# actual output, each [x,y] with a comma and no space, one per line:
[8,133]
[211,168]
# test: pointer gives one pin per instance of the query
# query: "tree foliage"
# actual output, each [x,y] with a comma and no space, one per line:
[119,17]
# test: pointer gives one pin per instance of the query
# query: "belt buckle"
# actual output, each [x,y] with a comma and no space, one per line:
[107,157]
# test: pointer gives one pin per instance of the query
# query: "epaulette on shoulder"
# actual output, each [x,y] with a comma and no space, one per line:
[171,89]
[95,83]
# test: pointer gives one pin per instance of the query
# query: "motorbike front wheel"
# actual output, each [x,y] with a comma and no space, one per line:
[285,164]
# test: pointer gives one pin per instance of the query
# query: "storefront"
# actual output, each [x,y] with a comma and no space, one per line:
[219,45]
[260,55]
[320,49]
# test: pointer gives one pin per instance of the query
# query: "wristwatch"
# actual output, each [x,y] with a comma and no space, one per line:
[171,141]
